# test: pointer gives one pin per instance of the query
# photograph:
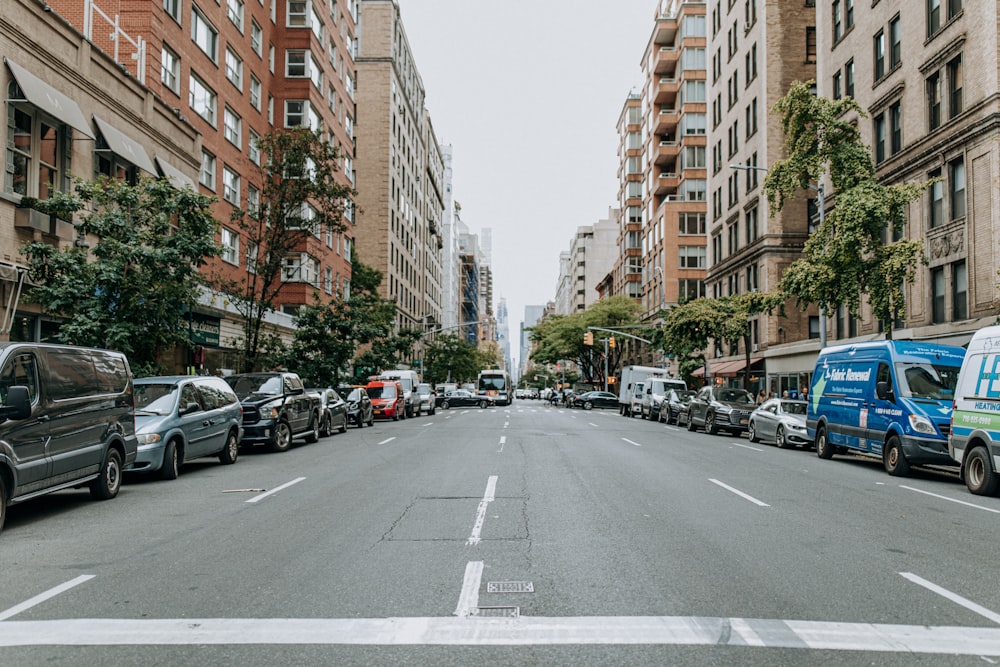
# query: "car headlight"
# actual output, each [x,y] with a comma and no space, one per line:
[148,438]
[723,409]
[922,425]
[795,426]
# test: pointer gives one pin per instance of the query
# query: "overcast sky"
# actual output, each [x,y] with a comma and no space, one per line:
[528,92]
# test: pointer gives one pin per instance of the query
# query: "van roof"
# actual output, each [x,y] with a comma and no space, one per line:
[918,350]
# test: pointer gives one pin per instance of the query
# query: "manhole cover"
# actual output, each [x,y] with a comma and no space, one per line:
[499,612]
[510,587]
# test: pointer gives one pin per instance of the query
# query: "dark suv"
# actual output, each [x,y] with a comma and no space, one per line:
[720,408]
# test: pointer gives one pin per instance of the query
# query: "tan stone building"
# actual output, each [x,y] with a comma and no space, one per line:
[400,169]
[925,72]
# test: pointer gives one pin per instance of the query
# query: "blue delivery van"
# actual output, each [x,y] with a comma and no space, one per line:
[887,398]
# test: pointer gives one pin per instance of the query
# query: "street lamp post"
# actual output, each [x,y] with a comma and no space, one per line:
[822,210]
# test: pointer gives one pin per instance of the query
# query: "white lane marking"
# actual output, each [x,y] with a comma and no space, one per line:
[952,500]
[522,631]
[593,424]
[428,424]
[954,597]
[741,627]
[468,600]
[631,443]
[488,497]
[503,441]
[673,428]
[42,597]
[740,493]
[275,490]
[387,440]
[506,424]
[740,444]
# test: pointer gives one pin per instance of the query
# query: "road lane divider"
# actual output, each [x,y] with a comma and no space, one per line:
[951,500]
[631,443]
[954,597]
[387,440]
[42,597]
[593,424]
[274,490]
[503,441]
[488,497]
[468,599]
[740,444]
[739,493]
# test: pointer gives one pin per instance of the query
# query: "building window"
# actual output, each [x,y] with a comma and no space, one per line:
[752,285]
[937,295]
[253,148]
[691,256]
[328,281]
[207,174]
[879,137]
[878,47]
[933,16]
[753,225]
[37,156]
[810,44]
[689,289]
[934,101]
[202,100]
[837,26]
[255,92]
[956,185]
[848,15]
[230,246]
[232,127]
[895,43]
[301,268]
[955,87]
[204,34]
[895,127]
[173,8]
[733,232]
[936,193]
[230,186]
[837,85]
[253,201]
[691,224]
[170,70]
[234,10]
[234,69]
[959,292]
[256,38]
[298,14]
[849,78]
[295,63]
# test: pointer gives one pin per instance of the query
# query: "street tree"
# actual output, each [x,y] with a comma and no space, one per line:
[852,255]
[299,198]
[135,289]
[450,358]
[690,328]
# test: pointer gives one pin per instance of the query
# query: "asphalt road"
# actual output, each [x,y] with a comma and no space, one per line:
[519,535]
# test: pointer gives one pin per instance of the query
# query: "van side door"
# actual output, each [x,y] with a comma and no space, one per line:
[25,442]
[881,412]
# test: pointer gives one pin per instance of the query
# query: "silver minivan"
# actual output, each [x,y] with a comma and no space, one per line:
[183,417]
[655,394]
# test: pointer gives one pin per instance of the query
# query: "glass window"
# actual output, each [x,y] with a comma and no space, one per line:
[173,8]
[936,192]
[170,70]
[879,137]
[810,44]
[20,371]
[295,63]
[232,127]
[879,54]
[959,291]
[298,13]
[253,201]
[837,26]
[933,16]
[204,34]
[207,174]
[937,295]
[234,10]
[692,257]
[895,43]
[230,186]
[955,87]
[934,101]
[848,14]
[956,183]
[256,38]
[896,128]
[255,92]
[35,155]
[202,100]
[234,68]
[253,147]
[230,246]
[849,78]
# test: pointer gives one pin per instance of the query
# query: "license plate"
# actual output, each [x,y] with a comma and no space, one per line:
[378,412]
[744,421]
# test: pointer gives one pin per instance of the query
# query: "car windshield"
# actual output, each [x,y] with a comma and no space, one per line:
[927,381]
[685,395]
[382,391]
[794,407]
[423,389]
[355,395]
[262,385]
[157,399]
[735,396]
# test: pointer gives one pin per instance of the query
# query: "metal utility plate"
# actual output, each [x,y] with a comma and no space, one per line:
[510,587]
[498,612]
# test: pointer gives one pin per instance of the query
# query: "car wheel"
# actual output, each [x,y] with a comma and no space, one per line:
[371,419]
[229,455]
[823,448]
[895,463]
[3,501]
[710,426]
[445,405]
[327,425]
[979,475]
[752,432]
[107,484]
[395,415]
[171,467]
[343,425]
[313,435]
[282,438]
[689,422]
[482,404]
[779,437]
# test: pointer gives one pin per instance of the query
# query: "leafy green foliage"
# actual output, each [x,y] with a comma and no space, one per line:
[848,258]
[450,358]
[299,198]
[132,292]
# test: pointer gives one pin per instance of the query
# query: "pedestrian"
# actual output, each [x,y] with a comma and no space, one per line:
[761,396]
[804,393]
[784,394]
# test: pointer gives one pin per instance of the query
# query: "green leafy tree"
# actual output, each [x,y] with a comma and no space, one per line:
[690,328]
[134,289]
[450,358]
[848,257]
[299,198]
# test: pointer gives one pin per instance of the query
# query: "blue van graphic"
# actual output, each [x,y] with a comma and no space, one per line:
[888,398]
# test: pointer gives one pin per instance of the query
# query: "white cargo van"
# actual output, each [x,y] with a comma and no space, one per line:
[409,380]
[974,441]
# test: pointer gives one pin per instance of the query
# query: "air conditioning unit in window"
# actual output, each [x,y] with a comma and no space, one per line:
[756,347]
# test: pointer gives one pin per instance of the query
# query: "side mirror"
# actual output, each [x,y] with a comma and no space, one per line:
[18,403]
[297,391]
[883,390]
[189,408]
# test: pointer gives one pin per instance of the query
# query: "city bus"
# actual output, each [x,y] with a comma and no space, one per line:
[495,382]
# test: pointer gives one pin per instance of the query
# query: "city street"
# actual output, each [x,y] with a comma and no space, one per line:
[521,535]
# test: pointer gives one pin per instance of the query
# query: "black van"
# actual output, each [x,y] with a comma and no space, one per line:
[66,420]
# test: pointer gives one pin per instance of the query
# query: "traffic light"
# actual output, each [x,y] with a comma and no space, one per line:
[611,342]
[588,338]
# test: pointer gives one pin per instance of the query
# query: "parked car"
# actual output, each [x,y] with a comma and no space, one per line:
[595,399]
[720,408]
[66,420]
[359,407]
[463,398]
[179,418]
[675,401]
[427,396]
[655,395]
[333,411]
[276,409]
[387,399]
[408,380]
[779,420]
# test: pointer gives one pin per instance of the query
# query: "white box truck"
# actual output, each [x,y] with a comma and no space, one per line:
[629,376]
